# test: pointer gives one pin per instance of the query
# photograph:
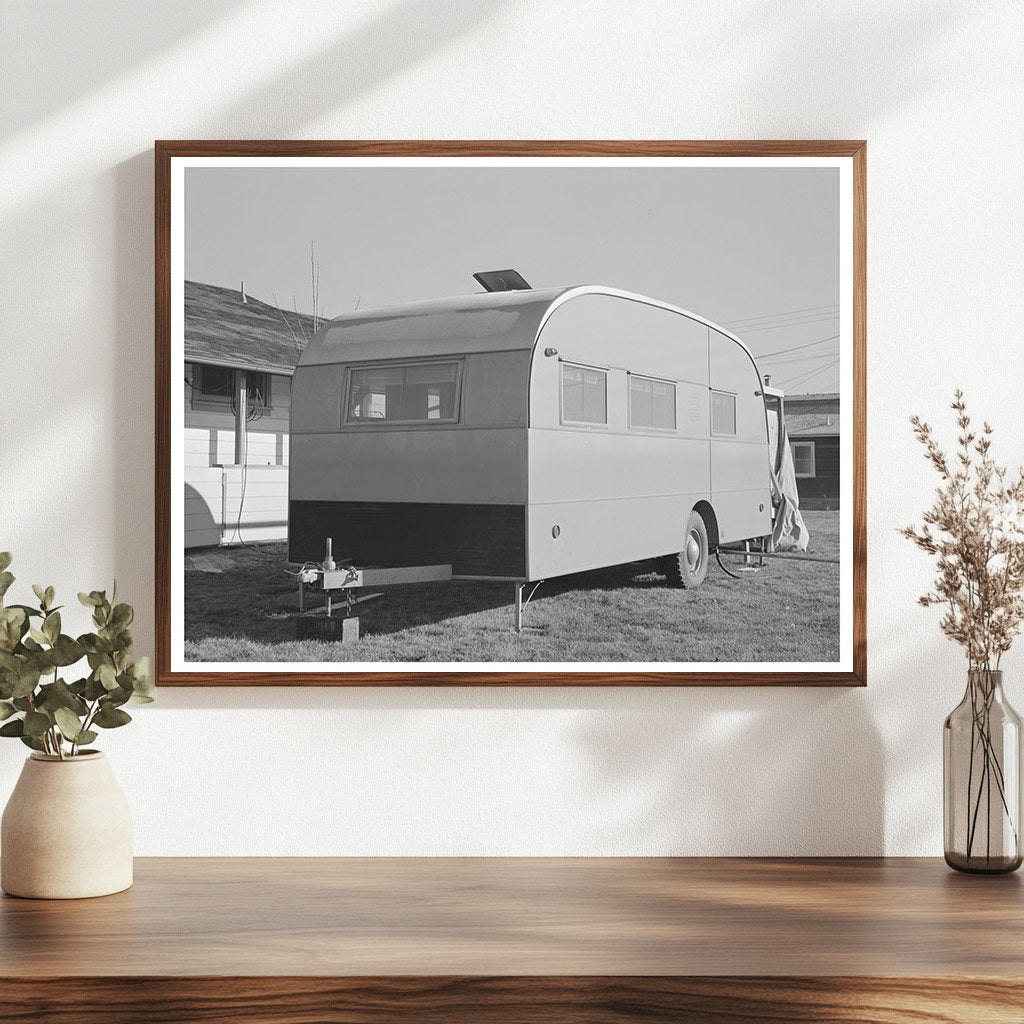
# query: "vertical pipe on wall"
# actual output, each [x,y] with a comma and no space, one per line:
[241,405]
[223,505]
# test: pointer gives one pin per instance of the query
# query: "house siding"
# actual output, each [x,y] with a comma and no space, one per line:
[226,503]
[821,491]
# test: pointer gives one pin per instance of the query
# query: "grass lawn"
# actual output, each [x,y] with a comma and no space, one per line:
[788,611]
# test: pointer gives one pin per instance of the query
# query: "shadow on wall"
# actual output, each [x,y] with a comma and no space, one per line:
[48,50]
[394,39]
[726,772]
[693,771]
[907,34]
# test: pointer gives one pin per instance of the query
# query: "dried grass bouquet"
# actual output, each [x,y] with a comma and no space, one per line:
[975,531]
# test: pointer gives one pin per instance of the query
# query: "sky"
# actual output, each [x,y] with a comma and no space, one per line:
[754,249]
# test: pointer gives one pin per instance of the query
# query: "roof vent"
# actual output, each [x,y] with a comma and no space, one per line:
[502,281]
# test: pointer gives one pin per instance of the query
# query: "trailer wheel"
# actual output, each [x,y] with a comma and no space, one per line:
[688,568]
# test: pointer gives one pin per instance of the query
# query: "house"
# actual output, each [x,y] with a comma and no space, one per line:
[240,354]
[812,423]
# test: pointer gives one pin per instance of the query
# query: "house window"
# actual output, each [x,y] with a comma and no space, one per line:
[215,386]
[584,394]
[803,458]
[652,404]
[404,393]
[723,413]
[216,382]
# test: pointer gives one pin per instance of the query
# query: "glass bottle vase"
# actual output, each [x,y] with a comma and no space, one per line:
[981,770]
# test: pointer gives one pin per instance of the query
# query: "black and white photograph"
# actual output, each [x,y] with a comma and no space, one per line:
[495,414]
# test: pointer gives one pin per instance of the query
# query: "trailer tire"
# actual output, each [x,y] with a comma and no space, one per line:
[688,568]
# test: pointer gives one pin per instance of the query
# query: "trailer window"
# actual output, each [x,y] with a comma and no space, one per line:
[723,413]
[803,458]
[405,393]
[584,394]
[652,404]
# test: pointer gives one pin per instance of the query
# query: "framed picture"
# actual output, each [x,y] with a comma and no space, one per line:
[492,413]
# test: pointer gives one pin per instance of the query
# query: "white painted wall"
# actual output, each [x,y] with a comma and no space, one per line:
[936,88]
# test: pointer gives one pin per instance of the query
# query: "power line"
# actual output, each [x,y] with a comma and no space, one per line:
[797,378]
[786,324]
[803,378]
[779,363]
[779,316]
[807,380]
[796,348]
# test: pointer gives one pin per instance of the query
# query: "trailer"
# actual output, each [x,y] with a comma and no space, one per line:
[522,433]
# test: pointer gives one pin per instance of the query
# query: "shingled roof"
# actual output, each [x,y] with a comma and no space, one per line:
[222,330]
[814,415]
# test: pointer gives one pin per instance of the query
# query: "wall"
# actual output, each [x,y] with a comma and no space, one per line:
[936,89]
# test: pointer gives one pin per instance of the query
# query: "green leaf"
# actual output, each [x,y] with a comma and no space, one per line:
[89,600]
[122,615]
[38,635]
[69,724]
[94,689]
[107,676]
[59,695]
[31,741]
[13,626]
[123,694]
[16,727]
[28,610]
[109,717]
[51,626]
[142,681]
[36,723]
[94,644]
[6,579]
[28,680]
[66,651]
[5,559]
[86,736]
[6,710]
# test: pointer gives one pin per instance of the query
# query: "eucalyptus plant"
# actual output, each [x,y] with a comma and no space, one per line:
[37,704]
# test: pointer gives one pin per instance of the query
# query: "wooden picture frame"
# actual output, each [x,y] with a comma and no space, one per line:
[850,156]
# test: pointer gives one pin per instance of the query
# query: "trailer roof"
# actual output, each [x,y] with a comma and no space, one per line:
[488,321]
[482,322]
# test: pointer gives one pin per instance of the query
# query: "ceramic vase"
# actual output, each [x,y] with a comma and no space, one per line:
[66,831]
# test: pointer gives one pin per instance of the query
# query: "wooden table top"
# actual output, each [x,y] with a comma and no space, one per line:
[330,917]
